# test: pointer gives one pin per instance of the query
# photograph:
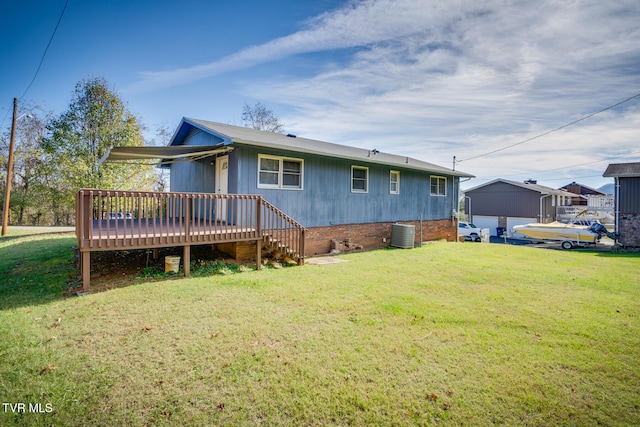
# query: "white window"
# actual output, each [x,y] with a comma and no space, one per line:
[394,182]
[359,179]
[438,186]
[280,172]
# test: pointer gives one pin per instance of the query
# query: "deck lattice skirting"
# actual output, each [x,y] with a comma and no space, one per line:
[109,220]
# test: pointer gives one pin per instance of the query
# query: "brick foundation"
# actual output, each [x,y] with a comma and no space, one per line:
[373,236]
[629,229]
[369,236]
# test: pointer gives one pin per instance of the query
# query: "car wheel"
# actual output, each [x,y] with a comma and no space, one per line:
[476,238]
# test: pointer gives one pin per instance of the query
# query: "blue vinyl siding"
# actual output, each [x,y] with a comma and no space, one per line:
[197,176]
[327,198]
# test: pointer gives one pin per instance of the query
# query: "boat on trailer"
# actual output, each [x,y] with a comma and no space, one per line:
[570,235]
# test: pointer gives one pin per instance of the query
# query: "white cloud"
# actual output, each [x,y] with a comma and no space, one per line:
[477,82]
[433,79]
[357,24]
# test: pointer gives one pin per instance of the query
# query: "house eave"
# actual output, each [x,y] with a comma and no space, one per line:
[274,141]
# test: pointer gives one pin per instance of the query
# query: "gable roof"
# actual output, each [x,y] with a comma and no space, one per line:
[246,136]
[534,187]
[584,189]
[625,170]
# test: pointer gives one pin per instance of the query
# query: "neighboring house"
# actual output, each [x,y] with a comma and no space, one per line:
[335,191]
[591,204]
[627,201]
[502,203]
[581,190]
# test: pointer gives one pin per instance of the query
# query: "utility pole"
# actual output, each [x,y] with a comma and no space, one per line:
[7,189]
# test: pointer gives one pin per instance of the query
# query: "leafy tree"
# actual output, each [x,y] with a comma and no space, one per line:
[26,197]
[95,121]
[261,118]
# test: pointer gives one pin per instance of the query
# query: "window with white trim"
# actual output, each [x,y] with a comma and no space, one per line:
[394,182]
[280,172]
[438,186]
[359,179]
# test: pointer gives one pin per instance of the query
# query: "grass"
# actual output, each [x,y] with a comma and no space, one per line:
[446,334]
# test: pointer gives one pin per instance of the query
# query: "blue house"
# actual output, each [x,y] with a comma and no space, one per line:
[337,192]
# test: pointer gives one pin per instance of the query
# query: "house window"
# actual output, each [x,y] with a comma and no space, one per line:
[438,186]
[394,182]
[359,179]
[279,172]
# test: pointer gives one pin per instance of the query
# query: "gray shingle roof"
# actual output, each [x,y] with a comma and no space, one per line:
[542,189]
[624,170]
[248,136]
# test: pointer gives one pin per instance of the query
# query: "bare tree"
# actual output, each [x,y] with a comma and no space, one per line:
[27,199]
[261,118]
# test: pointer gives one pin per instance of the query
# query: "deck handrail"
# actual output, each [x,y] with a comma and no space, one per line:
[117,219]
[280,229]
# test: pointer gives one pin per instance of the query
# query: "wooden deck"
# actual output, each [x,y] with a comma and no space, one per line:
[157,232]
[122,220]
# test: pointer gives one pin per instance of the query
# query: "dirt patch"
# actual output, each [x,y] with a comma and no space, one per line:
[113,268]
[324,260]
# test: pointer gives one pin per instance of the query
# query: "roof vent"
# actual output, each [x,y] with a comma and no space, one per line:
[290,135]
[531,181]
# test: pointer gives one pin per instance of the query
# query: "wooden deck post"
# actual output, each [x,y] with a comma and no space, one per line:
[259,232]
[258,254]
[187,260]
[187,235]
[85,269]
[301,255]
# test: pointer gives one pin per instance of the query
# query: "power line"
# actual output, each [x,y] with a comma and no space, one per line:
[553,130]
[571,166]
[46,49]
[580,164]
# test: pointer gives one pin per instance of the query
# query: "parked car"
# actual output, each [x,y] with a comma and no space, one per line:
[469,231]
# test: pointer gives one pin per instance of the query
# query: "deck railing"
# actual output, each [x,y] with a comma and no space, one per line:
[118,220]
[281,230]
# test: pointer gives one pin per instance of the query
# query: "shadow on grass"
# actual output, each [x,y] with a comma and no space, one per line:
[627,254]
[36,268]
[117,269]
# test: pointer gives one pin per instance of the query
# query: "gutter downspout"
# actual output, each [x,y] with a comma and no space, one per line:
[456,191]
[456,220]
[617,212]
[469,219]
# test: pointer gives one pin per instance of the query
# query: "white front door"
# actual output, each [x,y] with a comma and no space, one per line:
[222,186]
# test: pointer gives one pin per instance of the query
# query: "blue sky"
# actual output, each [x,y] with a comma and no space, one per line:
[427,79]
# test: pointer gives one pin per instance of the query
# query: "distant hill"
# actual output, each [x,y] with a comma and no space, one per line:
[608,188]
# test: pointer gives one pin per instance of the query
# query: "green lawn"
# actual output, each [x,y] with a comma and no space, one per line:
[446,334]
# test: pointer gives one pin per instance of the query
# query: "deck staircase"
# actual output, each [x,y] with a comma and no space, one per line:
[282,236]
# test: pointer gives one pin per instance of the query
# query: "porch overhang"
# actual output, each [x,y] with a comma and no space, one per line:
[164,155]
